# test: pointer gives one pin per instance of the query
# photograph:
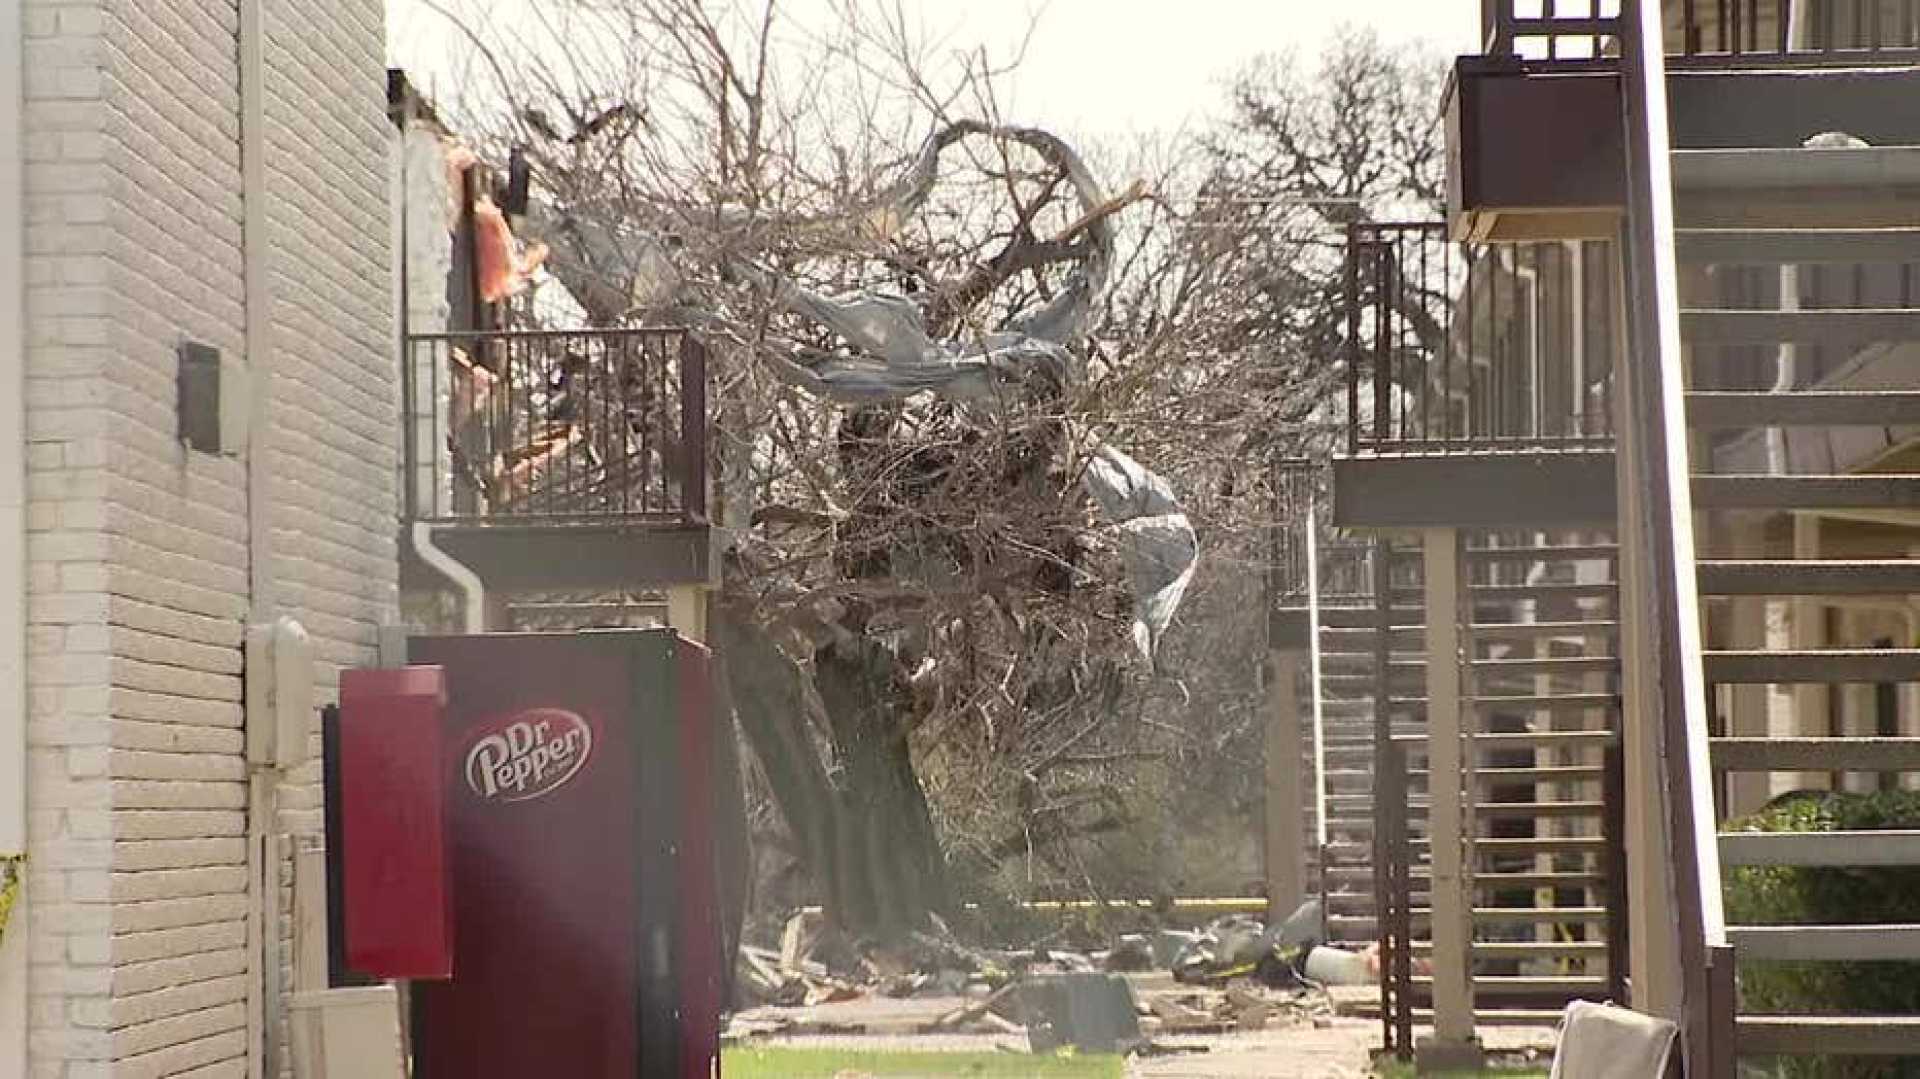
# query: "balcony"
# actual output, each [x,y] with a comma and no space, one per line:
[1478,381]
[549,460]
[1535,135]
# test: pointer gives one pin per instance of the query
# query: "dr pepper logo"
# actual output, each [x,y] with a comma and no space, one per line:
[528,755]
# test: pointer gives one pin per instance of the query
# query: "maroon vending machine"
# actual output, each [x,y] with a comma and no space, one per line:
[580,860]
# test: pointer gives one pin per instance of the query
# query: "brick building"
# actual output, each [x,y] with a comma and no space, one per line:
[178,176]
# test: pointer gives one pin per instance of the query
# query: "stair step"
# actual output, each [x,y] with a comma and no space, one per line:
[1806,492]
[1816,754]
[1547,702]
[1504,845]
[1538,915]
[1498,916]
[1528,985]
[1504,810]
[1804,408]
[1492,1014]
[1538,880]
[1826,943]
[1811,1035]
[1366,617]
[1497,631]
[1358,639]
[1528,949]
[1809,577]
[1571,774]
[1540,845]
[1494,881]
[1549,665]
[1836,666]
[1753,247]
[1490,880]
[1493,593]
[1573,552]
[1794,167]
[1826,849]
[1601,590]
[1839,327]
[1544,739]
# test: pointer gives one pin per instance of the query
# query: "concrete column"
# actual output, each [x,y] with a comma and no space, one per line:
[687,611]
[1285,824]
[1452,1044]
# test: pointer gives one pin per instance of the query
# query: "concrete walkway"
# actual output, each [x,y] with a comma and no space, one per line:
[1336,1052]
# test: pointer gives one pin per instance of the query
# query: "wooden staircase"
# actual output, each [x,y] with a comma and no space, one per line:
[1754,211]
[1541,694]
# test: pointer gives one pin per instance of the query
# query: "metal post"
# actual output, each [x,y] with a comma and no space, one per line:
[1613,793]
[1452,1044]
[1386,799]
[1396,913]
[693,429]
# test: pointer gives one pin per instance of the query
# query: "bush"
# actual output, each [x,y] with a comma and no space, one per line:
[1788,895]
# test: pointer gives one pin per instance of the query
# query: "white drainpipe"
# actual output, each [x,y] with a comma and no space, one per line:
[13,531]
[473,594]
[1786,360]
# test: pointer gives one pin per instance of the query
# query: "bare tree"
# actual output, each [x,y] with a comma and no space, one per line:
[927,628]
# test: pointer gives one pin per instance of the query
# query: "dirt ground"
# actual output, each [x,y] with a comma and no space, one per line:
[1289,1048]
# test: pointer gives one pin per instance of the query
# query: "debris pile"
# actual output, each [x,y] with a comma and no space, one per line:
[1236,974]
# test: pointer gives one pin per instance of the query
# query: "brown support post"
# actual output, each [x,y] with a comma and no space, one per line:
[693,429]
[1613,801]
[1723,1005]
[1353,339]
[1385,799]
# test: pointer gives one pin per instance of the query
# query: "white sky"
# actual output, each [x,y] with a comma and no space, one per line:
[1104,67]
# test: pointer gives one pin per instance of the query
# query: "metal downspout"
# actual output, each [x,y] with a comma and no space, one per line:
[13,530]
[473,593]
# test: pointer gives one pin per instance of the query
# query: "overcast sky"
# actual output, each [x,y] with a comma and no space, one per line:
[1095,66]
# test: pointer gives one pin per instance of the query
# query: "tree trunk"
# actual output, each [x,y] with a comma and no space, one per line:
[892,869]
[866,834]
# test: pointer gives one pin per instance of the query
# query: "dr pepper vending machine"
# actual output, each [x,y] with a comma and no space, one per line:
[577,886]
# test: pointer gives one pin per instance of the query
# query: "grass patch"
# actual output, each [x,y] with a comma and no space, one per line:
[755,1062]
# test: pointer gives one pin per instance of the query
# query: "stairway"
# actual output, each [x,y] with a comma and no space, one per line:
[1542,685]
[1826,217]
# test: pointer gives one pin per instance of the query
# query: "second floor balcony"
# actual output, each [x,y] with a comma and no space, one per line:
[1479,379]
[560,459]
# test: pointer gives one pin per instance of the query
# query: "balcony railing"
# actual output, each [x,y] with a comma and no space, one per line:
[1307,550]
[1465,348]
[1713,33]
[555,427]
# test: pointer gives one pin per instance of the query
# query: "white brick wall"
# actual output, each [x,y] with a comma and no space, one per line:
[138,549]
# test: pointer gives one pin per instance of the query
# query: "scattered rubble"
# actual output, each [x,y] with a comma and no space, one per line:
[1235,975]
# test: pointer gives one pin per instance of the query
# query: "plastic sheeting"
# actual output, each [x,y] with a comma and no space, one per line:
[895,358]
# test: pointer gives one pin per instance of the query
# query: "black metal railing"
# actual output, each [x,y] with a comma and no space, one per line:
[555,426]
[1298,493]
[1813,32]
[1711,33]
[1457,347]
[1393,885]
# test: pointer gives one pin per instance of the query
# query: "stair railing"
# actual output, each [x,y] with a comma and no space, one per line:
[1664,719]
